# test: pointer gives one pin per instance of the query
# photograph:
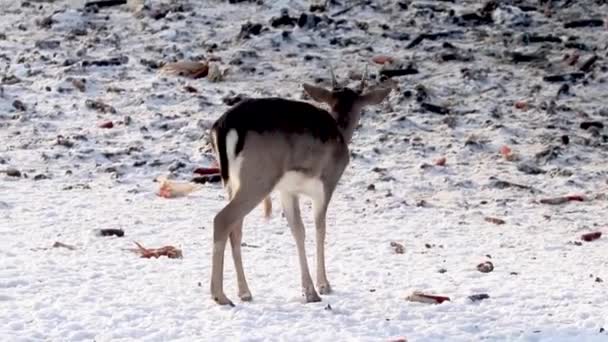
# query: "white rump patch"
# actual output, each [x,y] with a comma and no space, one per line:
[234,163]
[299,183]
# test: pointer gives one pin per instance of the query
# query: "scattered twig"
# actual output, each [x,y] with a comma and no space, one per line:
[105,3]
[584,23]
[586,67]
[518,57]
[435,108]
[564,77]
[58,244]
[351,7]
[114,61]
[398,72]
[562,200]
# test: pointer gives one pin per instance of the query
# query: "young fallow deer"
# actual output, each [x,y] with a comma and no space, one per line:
[294,147]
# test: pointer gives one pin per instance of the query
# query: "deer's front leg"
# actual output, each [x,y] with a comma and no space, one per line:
[320,210]
[292,213]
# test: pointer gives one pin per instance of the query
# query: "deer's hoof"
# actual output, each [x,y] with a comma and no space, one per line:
[221,299]
[324,288]
[245,296]
[311,296]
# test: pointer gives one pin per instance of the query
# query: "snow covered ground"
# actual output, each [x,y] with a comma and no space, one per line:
[547,284]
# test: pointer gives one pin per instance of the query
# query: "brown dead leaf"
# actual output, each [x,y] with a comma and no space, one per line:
[187,69]
[495,220]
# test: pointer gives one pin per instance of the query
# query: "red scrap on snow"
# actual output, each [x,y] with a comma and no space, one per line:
[591,236]
[563,199]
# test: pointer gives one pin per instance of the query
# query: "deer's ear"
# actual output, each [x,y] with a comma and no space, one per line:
[318,94]
[375,96]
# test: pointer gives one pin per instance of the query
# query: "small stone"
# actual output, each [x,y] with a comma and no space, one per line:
[530,169]
[18,105]
[99,106]
[47,44]
[40,177]
[79,84]
[599,280]
[442,270]
[176,166]
[232,100]
[250,29]
[62,141]
[13,172]
[479,297]
[485,267]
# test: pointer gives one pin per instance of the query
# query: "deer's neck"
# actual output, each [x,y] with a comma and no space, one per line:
[348,123]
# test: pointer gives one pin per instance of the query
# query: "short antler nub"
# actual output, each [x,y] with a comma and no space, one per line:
[363,78]
[334,81]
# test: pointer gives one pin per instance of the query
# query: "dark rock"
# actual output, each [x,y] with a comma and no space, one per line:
[435,108]
[530,169]
[176,166]
[114,61]
[283,20]
[584,23]
[479,297]
[13,172]
[40,177]
[110,232]
[18,105]
[99,106]
[250,29]
[587,124]
[398,72]
[232,100]
[564,77]
[485,267]
[207,179]
[47,44]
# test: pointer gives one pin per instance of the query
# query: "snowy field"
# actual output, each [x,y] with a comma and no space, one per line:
[490,78]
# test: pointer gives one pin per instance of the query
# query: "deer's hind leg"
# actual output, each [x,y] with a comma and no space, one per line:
[253,187]
[320,203]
